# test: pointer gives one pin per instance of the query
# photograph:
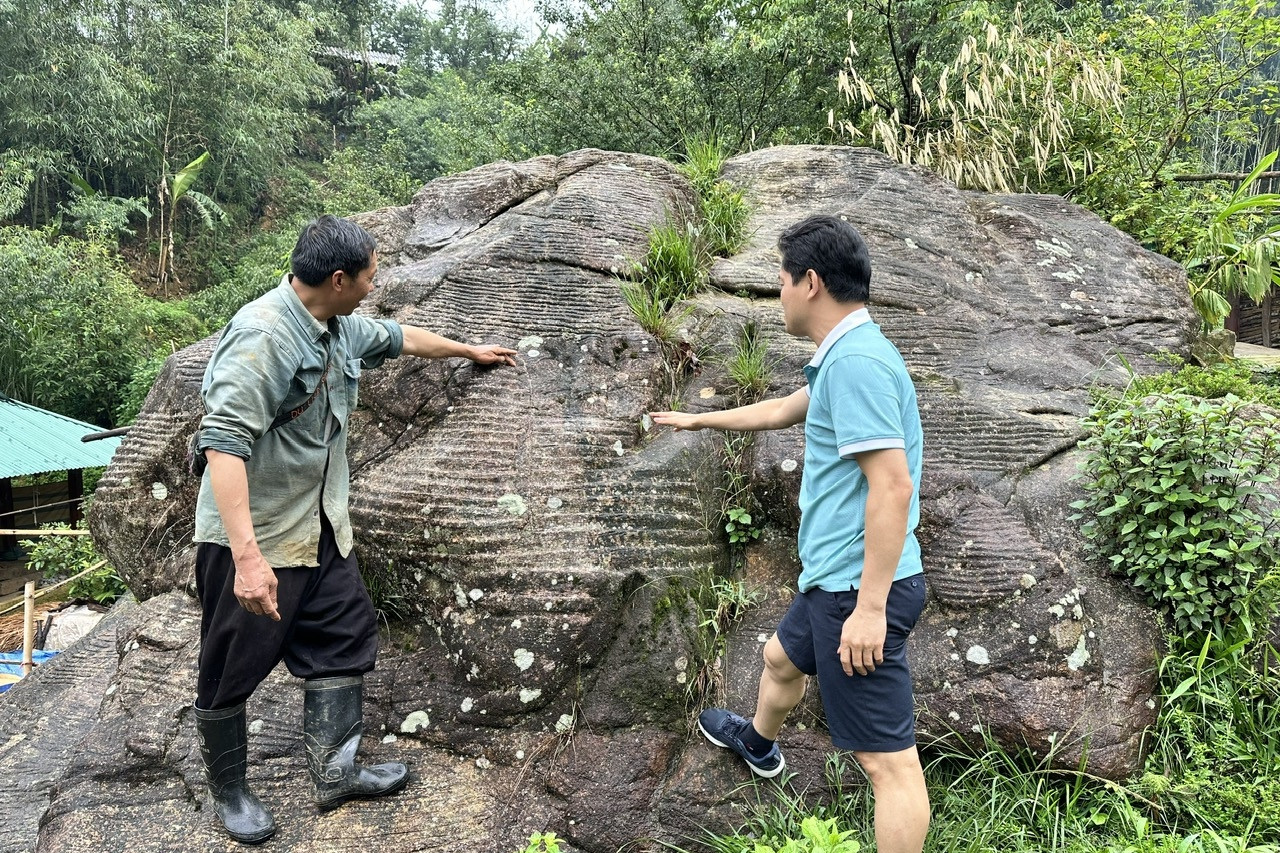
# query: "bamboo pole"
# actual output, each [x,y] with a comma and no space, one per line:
[28,626]
[21,532]
[48,589]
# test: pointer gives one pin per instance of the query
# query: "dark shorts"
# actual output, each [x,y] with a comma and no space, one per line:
[866,713]
[327,624]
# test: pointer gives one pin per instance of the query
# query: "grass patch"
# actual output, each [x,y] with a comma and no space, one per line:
[749,365]
[724,210]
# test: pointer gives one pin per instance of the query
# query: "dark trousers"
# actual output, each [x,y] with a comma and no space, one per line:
[327,624]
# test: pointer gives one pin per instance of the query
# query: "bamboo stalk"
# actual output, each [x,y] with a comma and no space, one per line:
[51,587]
[28,626]
[21,532]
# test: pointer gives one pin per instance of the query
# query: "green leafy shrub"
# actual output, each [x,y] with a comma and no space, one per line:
[59,557]
[1238,378]
[739,526]
[1177,501]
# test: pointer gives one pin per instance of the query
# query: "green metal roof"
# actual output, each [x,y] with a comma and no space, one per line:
[33,441]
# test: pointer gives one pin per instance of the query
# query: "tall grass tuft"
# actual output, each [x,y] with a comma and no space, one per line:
[724,210]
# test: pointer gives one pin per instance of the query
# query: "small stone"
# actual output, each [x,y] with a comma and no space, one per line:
[390,739]
[523,659]
[483,763]
[527,695]
[978,655]
[554,503]
[707,393]
[789,465]
[476,594]
[467,705]
[159,491]
[255,728]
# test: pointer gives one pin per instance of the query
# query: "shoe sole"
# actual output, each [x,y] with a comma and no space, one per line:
[330,805]
[763,774]
[252,839]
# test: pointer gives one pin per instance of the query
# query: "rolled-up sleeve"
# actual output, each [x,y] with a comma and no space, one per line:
[373,341]
[241,402]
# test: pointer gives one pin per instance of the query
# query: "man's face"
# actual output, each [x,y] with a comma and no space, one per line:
[356,288]
[793,302]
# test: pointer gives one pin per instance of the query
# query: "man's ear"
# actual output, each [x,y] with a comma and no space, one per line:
[337,279]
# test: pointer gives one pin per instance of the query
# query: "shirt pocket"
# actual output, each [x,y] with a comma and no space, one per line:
[351,378]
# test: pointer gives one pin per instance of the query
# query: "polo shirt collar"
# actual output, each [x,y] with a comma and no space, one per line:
[310,325]
[850,322]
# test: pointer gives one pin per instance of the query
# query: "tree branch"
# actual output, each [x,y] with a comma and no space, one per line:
[1221,176]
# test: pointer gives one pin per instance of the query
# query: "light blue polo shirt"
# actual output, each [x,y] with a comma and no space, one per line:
[860,398]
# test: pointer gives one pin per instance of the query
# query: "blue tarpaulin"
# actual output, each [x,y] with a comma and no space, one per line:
[11,666]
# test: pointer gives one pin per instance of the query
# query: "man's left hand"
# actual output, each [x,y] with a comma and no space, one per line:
[862,641]
[492,354]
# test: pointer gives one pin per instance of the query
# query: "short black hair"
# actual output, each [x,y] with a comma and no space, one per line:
[329,244]
[834,250]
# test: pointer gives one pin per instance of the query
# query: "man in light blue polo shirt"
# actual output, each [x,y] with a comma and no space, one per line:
[861,586]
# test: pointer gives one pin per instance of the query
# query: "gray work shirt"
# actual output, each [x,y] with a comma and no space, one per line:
[270,360]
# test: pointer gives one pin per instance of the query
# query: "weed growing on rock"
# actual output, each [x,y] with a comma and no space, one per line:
[724,209]
[724,601]
[749,366]
[542,842]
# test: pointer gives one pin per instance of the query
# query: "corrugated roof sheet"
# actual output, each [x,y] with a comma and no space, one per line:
[33,441]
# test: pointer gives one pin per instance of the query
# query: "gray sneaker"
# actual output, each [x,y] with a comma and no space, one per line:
[725,728]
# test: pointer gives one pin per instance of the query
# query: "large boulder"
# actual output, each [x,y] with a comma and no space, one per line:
[548,565]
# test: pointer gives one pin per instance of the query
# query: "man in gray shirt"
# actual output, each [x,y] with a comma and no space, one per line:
[275,572]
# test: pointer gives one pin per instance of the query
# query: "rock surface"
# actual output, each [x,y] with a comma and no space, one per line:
[551,562]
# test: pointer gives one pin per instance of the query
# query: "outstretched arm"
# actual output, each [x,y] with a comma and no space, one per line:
[424,344]
[778,413]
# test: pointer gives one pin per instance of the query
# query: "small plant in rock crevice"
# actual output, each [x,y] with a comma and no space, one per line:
[724,209]
[542,842]
[724,601]
[749,366]
[739,527]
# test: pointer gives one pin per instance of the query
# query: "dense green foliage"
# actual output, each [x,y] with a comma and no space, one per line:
[75,327]
[1180,499]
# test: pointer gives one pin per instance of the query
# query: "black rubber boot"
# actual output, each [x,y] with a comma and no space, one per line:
[224,746]
[332,724]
